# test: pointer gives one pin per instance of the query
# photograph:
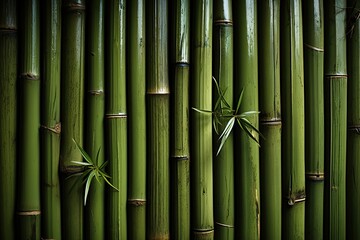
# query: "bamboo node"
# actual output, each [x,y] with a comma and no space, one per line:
[296,198]
[315,176]
[182,64]
[224,225]
[55,129]
[96,92]
[272,122]
[223,22]
[203,233]
[115,115]
[160,92]
[314,48]
[29,76]
[29,213]
[8,30]
[74,7]
[335,76]
[354,128]
[180,158]
[137,202]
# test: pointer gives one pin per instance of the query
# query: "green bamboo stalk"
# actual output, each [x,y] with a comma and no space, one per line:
[270,119]
[158,120]
[136,94]
[180,139]
[8,117]
[247,152]
[353,115]
[292,102]
[95,111]
[335,119]
[51,127]
[314,117]
[116,135]
[224,161]
[72,117]
[201,124]
[29,160]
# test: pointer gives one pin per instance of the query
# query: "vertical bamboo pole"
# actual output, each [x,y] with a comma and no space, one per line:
[180,137]
[158,120]
[72,116]
[353,139]
[292,102]
[136,86]
[8,116]
[201,124]
[29,160]
[224,162]
[335,119]
[270,118]
[314,117]
[116,117]
[247,152]
[50,184]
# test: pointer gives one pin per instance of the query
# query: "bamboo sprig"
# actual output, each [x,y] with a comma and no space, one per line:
[224,113]
[91,170]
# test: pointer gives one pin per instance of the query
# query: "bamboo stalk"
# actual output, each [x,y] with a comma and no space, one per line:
[335,119]
[136,94]
[51,127]
[270,119]
[353,115]
[292,102]
[116,119]
[72,117]
[158,120]
[314,117]
[95,111]
[224,161]
[201,124]
[29,160]
[8,117]
[247,151]
[180,138]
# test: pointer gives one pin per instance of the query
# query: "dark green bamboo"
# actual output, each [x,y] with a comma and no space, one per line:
[224,161]
[201,124]
[247,170]
[50,121]
[335,119]
[28,204]
[180,138]
[136,94]
[8,116]
[292,110]
[116,117]
[270,119]
[158,120]
[95,111]
[314,117]
[72,116]
[353,115]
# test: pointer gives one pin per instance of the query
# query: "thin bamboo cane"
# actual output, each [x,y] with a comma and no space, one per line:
[224,161]
[95,111]
[158,120]
[72,116]
[292,102]
[116,118]
[247,151]
[180,138]
[29,160]
[335,119]
[314,117]
[136,86]
[353,114]
[270,118]
[8,116]
[201,124]
[51,211]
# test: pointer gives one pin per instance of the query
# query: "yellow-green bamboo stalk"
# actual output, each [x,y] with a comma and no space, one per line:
[28,198]
[51,127]
[335,119]
[116,121]
[314,117]
[292,111]
[136,93]
[201,124]
[270,119]
[8,116]
[158,120]
[246,150]
[72,116]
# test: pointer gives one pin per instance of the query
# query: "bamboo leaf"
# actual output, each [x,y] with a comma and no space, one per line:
[83,153]
[225,134]
[202,111]
[239,101]
[87,187]
[82,163]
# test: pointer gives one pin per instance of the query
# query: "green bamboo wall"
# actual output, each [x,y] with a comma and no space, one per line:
[140,119]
